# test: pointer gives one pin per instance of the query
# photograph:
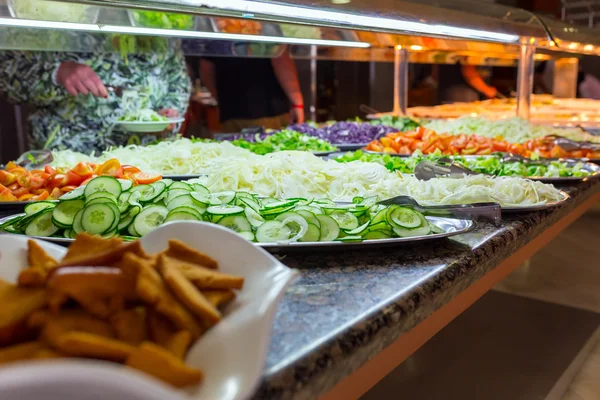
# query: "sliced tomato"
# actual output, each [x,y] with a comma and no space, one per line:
[82,169]
[24,180]
[111,167]
[558,152]
[470,149]
[6,195]
[144,178]
[59,180]
[26,197]
[20,192]
[13,186]
[66,189]
[130,169]
[7,178]
[49,170]
[56,193]
[73,179]
[404,150]
[11,165]
[37,182]
[42,196]
[386,141]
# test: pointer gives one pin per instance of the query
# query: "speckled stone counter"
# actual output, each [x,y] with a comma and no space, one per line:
[350,305]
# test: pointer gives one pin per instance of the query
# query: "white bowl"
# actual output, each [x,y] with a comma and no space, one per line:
[232,354]
[146,127]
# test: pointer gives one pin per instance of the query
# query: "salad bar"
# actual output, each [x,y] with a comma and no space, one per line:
[301,263]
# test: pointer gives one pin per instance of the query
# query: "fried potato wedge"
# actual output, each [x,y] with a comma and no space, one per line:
[204,278]
[109,256]
[130,325]
[185,291]
[181,251]
[160,363]
[86,245]
[40,264]
[16,305]
[178,343]
[160,328]
[218,297]
[23,351]
[81,344]
[72,320]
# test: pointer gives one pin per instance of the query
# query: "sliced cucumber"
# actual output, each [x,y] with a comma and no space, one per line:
[309,217]
[330,229]
[131,230]
[200,199]
[200,189]
[225,210]
[125,184]
[279,204]
[181,216]
[125,222]
[77,226]
[345,219]
[123,202]
[236,223]
[101,195]
[354,238]
[359,230]
[64,213]
[436,229]
[180,185]
[41,225]
[296,222]
[380,226]
[421,231]
[249,236]
[68,233]
[181,200]
[403,217]
[313,234]
[34,207]
[150,218]
[98,218]
[253,217]
[109,234]
[189,210]
[313,209]
[171,194]
[224,197]
[250,202]
[103,184]
[376,235]
[76,193]
[272,231]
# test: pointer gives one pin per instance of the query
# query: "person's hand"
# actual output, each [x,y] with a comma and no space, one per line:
[80,79]
[297,115]
[490,92]
[169,113]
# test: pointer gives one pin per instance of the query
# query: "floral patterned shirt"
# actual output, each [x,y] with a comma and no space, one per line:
[61,121]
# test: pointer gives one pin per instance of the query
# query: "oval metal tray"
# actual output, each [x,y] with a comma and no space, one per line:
[451,227]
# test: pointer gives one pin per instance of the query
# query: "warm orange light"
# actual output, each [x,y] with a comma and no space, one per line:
[416,47]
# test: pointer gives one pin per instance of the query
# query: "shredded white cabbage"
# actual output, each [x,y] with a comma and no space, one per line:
[514,130]
[301,174]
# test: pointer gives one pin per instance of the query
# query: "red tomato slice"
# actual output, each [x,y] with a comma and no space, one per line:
[83,169]
[130,169]
[59,180]
[49,170]
[7,178]
[144,178]
[112,168]
[73,179]
[42,196]
[6,195]
[37,182]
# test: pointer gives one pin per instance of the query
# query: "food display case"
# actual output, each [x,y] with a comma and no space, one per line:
[159,217]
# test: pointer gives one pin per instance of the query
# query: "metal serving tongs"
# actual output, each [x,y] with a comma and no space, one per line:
[486,211]
[33,159]
[572,145]
[426,170]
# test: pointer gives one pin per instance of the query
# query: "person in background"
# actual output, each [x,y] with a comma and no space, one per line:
[254,91]
[68,100]
[588,86]
[464,83]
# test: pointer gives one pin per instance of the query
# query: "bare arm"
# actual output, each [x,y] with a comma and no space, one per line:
[469,72]
[208,77]
[287,76]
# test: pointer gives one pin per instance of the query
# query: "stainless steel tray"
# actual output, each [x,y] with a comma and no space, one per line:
[450,226]
[589,165]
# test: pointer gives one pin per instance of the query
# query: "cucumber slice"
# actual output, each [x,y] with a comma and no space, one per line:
[109,234]
[381,216]
[279,204]
[309,217]
[253,217]
[68,233]
[330,229]
[149,218]
[171,194]
[64,212]
[358,231]
[200,199]
[181,200]
[236,223]
[345,219]
[225,197]
[421,231]
[249,236]
[180,185]
[98,218]
[435,229]
[325,202]
[313,234]
[101,195]
[357,200]
[125,222]
[374,235]
[131,230]
[41,225]
[181,216]
[146,193]
[250,202]
[351,239]
[189,210]
[77,226]
[276,211]
[125,184]
[313,209]
[269,200]
[380,226]
[224,210]
[76,193]
[34,207]
[200,189]
[123,202]
[296,222]
[272,231]
[167,182]
[403,217]
[103,184]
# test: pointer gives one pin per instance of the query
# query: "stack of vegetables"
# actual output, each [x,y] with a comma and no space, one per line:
[428,142]
[107,206]
[19,184]
[342,133]
[281,141]
[491,165]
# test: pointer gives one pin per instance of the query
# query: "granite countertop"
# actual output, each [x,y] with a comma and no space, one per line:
[350,305]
